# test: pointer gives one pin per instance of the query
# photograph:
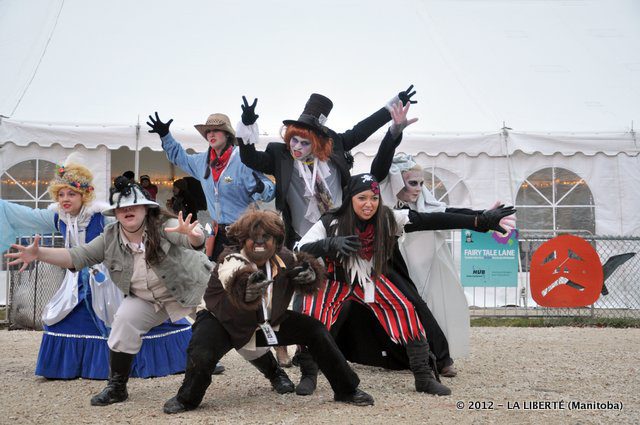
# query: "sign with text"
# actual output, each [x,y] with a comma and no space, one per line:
[489,259]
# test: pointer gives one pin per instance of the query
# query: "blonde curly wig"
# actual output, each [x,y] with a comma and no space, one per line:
[75,177]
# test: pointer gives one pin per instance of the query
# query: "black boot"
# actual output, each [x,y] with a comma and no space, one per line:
[269,367]
[358,398]
[426,381]
[173,405]
[116,389]
[309,371]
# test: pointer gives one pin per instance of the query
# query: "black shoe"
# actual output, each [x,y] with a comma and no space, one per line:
[219,369]
[449,371]
[109,395]
[358,398]
[173,405]
[281,383]
[307,385]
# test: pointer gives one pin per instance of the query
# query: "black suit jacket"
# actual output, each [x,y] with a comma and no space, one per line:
[277,161]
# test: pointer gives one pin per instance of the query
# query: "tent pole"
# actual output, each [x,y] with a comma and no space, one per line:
[136,155]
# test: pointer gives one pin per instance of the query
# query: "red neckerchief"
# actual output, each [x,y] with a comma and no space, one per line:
[366,239]
[219,163]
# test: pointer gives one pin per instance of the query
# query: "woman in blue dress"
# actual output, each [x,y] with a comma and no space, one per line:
[77,320]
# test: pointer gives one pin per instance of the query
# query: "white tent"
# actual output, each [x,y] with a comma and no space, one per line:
[562,74]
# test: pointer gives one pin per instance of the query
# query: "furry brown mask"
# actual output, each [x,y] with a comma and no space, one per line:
[260,246]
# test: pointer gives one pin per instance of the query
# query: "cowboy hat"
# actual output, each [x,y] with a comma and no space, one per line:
[216,122]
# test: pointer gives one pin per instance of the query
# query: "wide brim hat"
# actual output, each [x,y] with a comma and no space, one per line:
[128,196]
[314,115]
[216,122]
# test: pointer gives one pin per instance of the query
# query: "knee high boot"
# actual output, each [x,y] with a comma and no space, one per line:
[419,362]
[269,367]
[116,389]
[309,371]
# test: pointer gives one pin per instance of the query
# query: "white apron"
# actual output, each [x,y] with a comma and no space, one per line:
[432,269]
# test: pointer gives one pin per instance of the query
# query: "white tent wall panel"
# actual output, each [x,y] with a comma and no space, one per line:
[614,181]
[491,166]
[98,160]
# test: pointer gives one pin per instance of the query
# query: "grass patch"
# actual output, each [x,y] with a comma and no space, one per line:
[541,322]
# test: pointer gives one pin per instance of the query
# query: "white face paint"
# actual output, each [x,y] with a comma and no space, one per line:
[413,181]
[300,148]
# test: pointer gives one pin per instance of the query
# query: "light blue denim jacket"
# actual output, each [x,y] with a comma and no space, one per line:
[229,198]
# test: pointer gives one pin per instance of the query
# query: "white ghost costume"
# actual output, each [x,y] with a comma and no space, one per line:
[429,261]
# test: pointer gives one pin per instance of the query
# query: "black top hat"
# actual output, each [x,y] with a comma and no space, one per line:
[315,114]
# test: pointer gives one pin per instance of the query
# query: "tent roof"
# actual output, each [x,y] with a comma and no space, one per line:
[472,144]
[537,65]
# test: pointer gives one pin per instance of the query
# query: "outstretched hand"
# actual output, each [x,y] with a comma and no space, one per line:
[184,226]
[302,274]
[256,285]
[345,245]
[491,219]
[508,223]
[25,254]
[159,127]
[249,116]
[405,96]
[399,115]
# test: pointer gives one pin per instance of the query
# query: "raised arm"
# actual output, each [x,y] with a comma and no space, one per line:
[384,157]
[365,128]
[175,152]
[248,135]
[257,160]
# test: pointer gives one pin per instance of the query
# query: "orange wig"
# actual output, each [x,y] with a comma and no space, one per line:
[321,146]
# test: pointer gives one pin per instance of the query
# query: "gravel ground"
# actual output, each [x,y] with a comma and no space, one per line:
[509,369]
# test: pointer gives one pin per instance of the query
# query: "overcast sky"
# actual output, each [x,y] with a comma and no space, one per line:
[537,65]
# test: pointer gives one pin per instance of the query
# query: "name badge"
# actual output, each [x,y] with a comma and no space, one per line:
[269,333]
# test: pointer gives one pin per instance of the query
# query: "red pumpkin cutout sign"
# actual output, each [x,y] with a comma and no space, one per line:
[565,272]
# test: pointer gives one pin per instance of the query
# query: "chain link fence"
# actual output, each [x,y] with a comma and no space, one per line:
[620,299]
[30,291]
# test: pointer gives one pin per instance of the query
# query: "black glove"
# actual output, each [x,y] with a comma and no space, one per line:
[405,96]
[256,285]
[249,111]
[303,274]
[345,245]
[158,126]
[332,246]
[490,219]
[259,184]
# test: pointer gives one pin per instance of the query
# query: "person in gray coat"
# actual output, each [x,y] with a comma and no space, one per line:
[155,260]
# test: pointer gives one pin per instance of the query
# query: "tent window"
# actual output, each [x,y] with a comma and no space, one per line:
[436,186]
[26,183]
[555,199]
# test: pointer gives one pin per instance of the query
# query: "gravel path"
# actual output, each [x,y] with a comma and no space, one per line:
[509,369]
